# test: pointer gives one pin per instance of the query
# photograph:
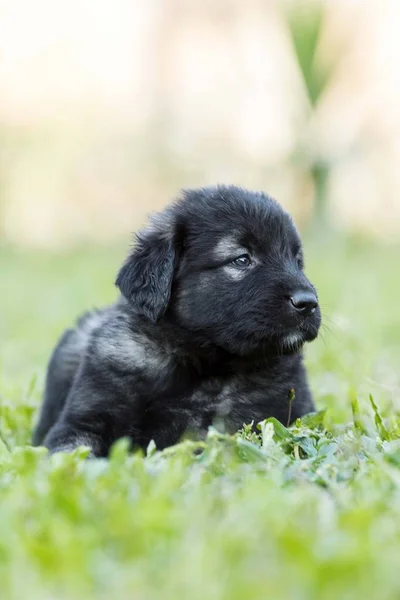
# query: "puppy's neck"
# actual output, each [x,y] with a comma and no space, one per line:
[196,350]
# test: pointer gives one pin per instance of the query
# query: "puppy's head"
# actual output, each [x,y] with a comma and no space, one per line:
[225,264]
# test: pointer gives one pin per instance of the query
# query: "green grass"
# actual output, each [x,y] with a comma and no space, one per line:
[307,513]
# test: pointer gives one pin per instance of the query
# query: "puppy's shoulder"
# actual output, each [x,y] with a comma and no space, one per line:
[120,342]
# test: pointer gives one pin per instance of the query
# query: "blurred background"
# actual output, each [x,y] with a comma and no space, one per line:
[108,107]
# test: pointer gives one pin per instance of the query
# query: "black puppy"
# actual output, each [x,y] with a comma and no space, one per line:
[214,311]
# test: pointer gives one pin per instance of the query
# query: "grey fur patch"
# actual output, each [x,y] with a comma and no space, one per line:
[118,345]
[75,443]
[228,247]
[292,341]
[77,344]
[234,273]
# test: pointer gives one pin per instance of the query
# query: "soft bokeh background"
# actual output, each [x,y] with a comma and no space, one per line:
[108,107]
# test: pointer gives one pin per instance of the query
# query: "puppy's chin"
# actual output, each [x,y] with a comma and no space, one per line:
[293,342]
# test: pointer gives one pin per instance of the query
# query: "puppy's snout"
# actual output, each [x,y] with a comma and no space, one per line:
[304,302]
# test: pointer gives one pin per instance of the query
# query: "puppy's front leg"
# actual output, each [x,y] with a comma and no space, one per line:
[64,437]
[99,409]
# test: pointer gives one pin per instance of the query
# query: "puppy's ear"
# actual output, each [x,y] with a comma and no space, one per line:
[145,279]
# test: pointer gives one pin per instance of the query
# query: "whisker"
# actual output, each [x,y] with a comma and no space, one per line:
[323,338]
[332,329]
[326,317]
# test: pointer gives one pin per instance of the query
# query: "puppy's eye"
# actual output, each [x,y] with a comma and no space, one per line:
[242,261]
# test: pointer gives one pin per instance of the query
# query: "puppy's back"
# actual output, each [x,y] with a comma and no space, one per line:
[62,368]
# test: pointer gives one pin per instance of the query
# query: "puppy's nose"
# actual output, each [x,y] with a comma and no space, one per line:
[304,302]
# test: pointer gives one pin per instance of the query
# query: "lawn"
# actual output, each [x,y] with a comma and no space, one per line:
[308,513]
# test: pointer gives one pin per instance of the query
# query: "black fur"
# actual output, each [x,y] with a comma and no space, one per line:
[196,337]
